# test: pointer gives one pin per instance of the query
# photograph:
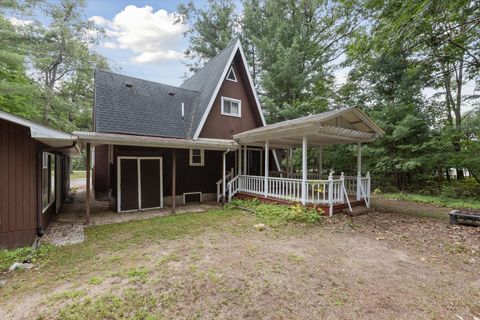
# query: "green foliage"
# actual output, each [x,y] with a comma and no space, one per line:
[278,214]
[8,257]
[444,201]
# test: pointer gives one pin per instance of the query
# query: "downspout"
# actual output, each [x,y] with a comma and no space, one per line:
[224,179]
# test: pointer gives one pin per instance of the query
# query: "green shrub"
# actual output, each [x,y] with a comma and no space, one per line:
[277,214]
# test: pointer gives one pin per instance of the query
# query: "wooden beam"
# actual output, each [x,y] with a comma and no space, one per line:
[87,192]
[174,179]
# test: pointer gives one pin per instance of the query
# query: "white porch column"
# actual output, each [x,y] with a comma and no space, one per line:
[304,170]
[224,179]
[240,160]
[290,155]
[245,160]
[265,184]
[359,169]
[320,160]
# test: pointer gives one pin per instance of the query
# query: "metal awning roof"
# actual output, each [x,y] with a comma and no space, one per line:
[50,137]
[98,138]
[349,125]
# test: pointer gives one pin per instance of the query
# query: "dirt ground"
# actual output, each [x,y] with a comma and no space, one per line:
[382,265]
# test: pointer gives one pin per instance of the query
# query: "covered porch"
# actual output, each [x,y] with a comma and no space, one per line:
[309,187]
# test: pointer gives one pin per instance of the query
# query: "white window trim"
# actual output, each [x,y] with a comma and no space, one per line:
[239,115]
[234,75]
[192,193]
[45,165]
[202,157]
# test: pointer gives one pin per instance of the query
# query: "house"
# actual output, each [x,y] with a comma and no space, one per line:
[34,177]
[157,145]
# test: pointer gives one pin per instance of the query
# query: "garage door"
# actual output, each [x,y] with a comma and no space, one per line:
[140,183]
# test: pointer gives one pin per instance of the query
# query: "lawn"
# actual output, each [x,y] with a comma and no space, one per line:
[454,203]
[78,174]
[217,265]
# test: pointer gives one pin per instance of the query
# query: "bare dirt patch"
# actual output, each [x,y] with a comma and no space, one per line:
[376,266]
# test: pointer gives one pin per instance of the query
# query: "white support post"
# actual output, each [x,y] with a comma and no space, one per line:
[342,187]
[265,182]
[359,170]
[320,161]
[291,161]
[330,194]
[304,170]
[245,160]
[368,195]
[240,161]
[224,178]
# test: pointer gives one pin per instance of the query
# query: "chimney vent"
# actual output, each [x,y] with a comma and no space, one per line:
[128,84]
[171,93]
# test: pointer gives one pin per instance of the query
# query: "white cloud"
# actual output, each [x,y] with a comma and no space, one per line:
[152,36]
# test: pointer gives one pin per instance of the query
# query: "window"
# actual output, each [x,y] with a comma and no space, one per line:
[231,75]
[231,107]
[48,180]
[197,157]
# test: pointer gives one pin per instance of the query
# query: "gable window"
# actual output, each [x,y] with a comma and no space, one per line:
[197,158]
[231,75]
[231,107]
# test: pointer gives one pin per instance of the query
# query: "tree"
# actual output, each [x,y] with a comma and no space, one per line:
[210,30]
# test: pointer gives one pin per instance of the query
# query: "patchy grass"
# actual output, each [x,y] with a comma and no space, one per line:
[8,257]
[435,200]
[77,174]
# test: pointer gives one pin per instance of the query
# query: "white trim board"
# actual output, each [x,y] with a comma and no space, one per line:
[238,47]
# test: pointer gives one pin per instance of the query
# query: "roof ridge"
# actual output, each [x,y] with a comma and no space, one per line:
[145,80]
[233,42]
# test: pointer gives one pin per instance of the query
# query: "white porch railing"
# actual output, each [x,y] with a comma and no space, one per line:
[331,191]
[228,176]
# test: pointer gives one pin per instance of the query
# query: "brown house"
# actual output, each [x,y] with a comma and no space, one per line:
[34,178]
[157,145]
[146,133]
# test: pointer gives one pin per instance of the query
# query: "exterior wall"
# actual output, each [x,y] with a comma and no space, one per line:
[221,126]
[18,185]
[101,183]
[188,179]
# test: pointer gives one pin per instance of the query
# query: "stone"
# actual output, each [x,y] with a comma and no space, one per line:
[20,266]
[259,226]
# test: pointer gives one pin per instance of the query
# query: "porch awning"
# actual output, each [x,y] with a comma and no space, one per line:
[348,125]
[98,138]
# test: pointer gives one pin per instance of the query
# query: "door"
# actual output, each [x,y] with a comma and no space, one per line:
[128,184]
[150,183]
[254,162]
[140,183]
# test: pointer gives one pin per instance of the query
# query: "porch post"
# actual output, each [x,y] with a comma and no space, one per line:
[174,179]
[359,170]
[304,170]
[320,161]
[87,192]
[245,160]
[291,161]
[265,184]
[240,160]
[224,178]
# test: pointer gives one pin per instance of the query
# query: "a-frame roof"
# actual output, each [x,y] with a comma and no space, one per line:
[134,106]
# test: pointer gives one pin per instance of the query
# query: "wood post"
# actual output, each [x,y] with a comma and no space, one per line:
[304,170]
[174,179]
[320,161]
[240,160]
[265,181]
[87,192]
[245,152]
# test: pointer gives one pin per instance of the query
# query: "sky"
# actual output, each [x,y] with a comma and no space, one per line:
[143,40]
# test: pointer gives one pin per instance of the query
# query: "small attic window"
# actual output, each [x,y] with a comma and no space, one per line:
[128,84]
[231,75]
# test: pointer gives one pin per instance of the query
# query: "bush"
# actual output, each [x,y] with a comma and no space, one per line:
[276,214]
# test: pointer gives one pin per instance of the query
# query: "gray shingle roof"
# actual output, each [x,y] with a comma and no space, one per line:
[147,108]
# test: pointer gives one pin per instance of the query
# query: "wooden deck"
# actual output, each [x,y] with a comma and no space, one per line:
[336,207]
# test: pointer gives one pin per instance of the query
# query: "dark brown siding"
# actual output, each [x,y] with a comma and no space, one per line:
[220,126]
[189,179]
[17,185]
[101,172]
